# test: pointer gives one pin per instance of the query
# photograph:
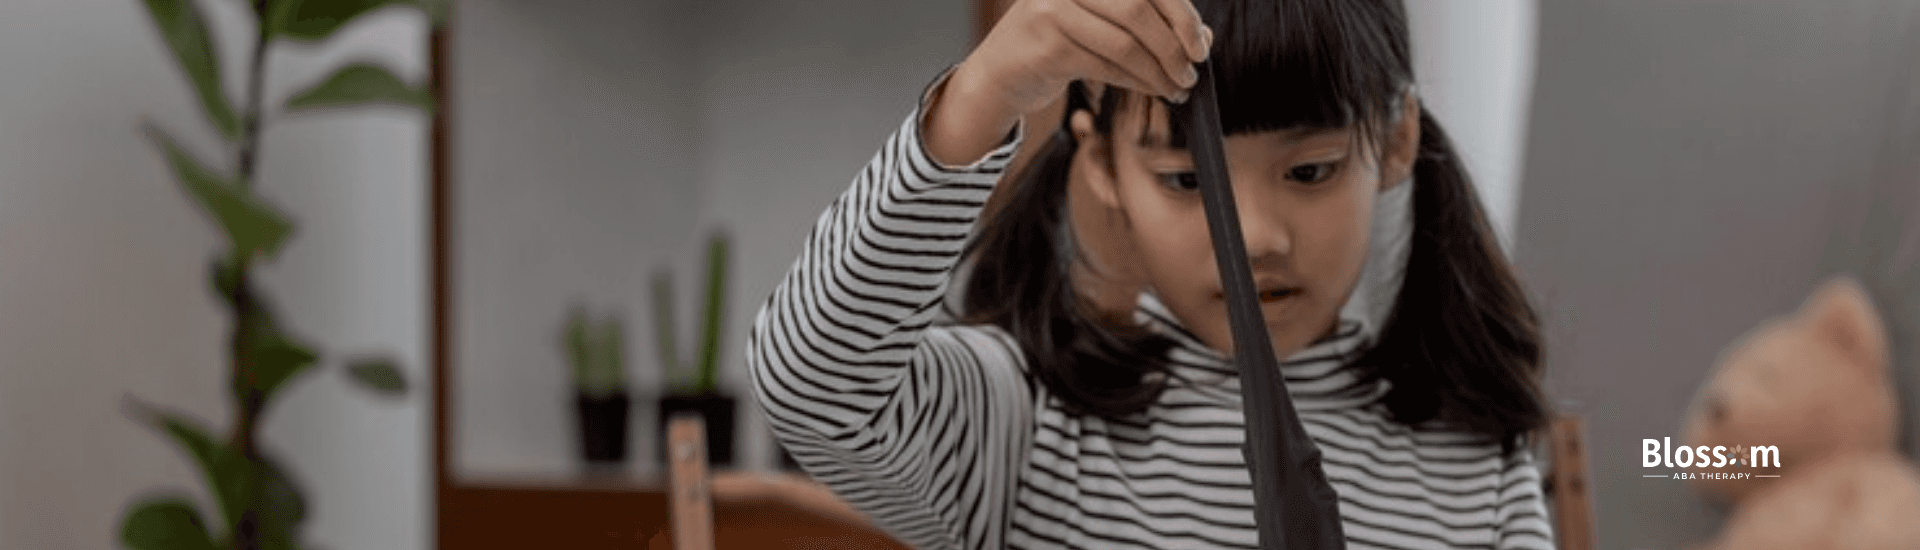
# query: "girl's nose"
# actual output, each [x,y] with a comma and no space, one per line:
[1262,226]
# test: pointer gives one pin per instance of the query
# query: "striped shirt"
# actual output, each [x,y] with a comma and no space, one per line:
[936,432]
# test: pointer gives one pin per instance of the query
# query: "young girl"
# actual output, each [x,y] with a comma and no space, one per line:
[1083,395]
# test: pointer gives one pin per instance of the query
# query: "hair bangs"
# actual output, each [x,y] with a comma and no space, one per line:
[1293,64]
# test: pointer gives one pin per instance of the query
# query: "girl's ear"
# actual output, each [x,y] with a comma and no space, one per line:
[1092,161]
[1106,271]
[1403,144]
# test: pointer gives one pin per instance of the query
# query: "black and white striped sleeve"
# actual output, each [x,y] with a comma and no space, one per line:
[921,426]
[1522,510]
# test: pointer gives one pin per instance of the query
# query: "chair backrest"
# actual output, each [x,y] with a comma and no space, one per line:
[1567,484]
[690,497]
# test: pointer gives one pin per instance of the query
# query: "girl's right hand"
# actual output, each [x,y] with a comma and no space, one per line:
[1039,46]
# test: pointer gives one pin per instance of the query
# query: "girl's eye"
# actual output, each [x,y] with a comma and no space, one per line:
[1313,173]
[1180,181]
[1305,173]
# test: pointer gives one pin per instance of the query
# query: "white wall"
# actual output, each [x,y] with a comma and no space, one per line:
[103,290]
[1474,62]
[574,180]
[1692,169]
[599,140]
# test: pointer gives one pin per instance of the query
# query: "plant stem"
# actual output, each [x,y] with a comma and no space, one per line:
[247,406]
[256,75]
[245,311]
[248,400]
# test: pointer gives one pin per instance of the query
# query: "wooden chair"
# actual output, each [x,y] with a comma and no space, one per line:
[1567,484]
[689,492]
[747,510]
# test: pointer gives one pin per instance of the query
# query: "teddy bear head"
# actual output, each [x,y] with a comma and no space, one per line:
[1810,383]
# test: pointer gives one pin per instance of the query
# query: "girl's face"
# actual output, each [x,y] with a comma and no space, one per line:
[1305,198]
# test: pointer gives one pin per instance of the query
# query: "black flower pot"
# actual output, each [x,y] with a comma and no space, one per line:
[603,427]
[716,409]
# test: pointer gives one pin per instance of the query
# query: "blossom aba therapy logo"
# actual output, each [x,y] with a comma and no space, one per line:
[1657,453]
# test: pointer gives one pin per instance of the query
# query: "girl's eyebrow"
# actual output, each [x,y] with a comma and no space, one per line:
[1151,138]
[1303,134]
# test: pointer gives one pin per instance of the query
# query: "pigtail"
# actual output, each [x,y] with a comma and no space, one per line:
[1462,346]
[1019,282]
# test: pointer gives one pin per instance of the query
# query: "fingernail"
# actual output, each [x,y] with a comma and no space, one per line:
[1199,35]
[1193,76]
[1206,42]
[1180,97]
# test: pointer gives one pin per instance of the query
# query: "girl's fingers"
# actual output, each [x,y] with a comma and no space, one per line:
[1111,49]
[1151,31]
[1185,22]
[1106,72]
[1098,69]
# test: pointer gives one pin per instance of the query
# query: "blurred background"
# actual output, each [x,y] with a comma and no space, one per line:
[1667,174]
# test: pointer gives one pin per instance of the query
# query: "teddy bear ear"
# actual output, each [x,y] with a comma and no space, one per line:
[1840,313]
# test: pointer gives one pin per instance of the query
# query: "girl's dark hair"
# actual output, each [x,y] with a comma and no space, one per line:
[1019,282]
[1461,346]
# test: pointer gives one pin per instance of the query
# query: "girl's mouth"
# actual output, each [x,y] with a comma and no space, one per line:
[1268,295]
[1276,294]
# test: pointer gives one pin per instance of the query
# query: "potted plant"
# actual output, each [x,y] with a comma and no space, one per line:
[698,391]
[257,503]
[600,386]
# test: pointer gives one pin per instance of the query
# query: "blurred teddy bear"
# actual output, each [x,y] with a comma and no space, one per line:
[1816,385]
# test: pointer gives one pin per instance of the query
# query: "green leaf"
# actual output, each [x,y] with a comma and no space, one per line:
[436,11]
[716,300]
[252,226]
[185,31]
[239,484]
[225,277]
[281,507]
[574,342]
[165,523]
[380,375]
[613,343]
[665,336]
[276,357]
[359,84]
[276,509]
[227,473]
[314,20]
[609,372]
[280,359]
[597,354]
